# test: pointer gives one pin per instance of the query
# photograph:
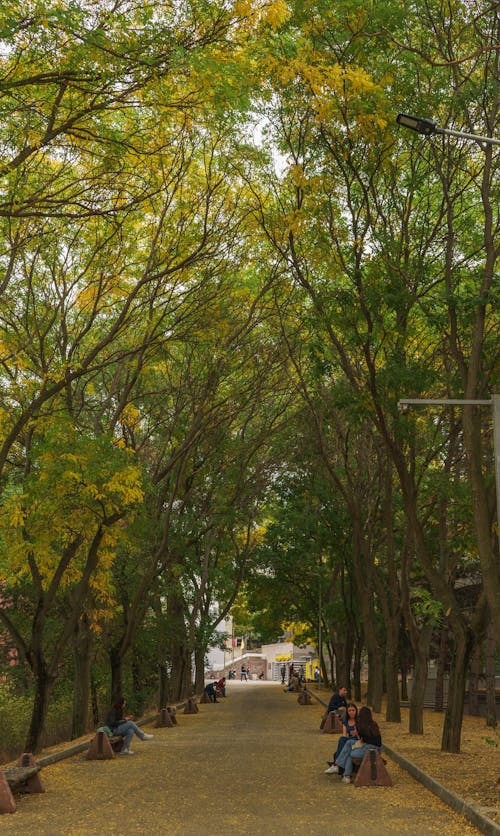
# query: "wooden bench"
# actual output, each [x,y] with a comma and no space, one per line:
[23,778]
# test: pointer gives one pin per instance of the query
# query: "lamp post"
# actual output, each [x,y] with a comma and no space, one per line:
[495,403]
[427,127]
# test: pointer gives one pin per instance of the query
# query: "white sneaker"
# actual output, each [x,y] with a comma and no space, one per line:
[346,779]
[332,769]
[126,752]
[147,736]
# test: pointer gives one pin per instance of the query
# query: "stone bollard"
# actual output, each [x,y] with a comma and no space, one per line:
[164,719]
[372,772]
[34,783]
[191,707]
[7,803]
[332,724]
[100,748]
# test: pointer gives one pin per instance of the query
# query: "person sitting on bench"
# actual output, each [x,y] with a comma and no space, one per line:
[220,687]
[124,726]
[370,738]
[211,691]
[349,731]
[338,703]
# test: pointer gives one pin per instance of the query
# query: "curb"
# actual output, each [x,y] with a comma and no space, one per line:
[458,804]
[469,811]
[82,747]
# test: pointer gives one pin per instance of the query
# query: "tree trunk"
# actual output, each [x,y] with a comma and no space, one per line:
[94,700]
[420,652]
[116,663]
[441,668]
[358,649]
[82,645]
[374,696]
[393,710]
[491,707]
[179,650]
[199,672]
[43,688]
[474,675]
[162,685]
[404,682]
[137,682]
[452,729]
[341,669]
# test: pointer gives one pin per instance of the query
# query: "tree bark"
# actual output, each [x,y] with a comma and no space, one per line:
[420,652]
[441,668]
[82,645]
[199,673]
[474,675]
[358,650]
[43,686]
[162,685]
[116,664]
[452,729]
[491,707]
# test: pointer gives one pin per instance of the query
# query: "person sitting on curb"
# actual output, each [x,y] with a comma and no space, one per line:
[349,732]
[124,726]
[369,738]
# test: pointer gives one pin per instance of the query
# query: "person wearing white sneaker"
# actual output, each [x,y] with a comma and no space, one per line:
[369,738]
[124,726]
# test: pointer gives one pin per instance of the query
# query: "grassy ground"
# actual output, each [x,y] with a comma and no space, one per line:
[474,774]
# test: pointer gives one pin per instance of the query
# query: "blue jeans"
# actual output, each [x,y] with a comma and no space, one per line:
[347,754]
[127,729]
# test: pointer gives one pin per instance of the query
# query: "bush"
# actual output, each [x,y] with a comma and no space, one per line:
[15,713]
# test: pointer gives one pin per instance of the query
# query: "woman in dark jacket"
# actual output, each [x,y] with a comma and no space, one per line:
[124,726]
[369,738]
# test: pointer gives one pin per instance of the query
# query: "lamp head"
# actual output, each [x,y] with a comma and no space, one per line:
[415,123]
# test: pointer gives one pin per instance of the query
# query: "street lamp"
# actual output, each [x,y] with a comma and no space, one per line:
[427,127]
[403,403]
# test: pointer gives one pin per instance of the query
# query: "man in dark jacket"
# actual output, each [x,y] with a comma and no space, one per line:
[338,702]
[211,692]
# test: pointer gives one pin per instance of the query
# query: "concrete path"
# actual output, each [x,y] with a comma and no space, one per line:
[251,764]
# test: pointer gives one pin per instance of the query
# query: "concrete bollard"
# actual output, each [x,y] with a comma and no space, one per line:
[191,707]
[164,719]
[100,748]
[34,783]
[7,803]
[372,771]
[332,724]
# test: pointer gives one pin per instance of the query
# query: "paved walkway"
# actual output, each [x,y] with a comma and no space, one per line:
[252,764]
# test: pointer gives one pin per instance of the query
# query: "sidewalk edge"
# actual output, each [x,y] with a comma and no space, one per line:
[470,811]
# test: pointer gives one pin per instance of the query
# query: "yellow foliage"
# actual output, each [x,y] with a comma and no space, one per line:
[276,13]
[130,416]
[298,175]
[17,517]
[126,484]
[243,8]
